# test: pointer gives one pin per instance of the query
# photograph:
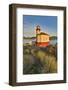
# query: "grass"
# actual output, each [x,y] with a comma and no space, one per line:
[39,60]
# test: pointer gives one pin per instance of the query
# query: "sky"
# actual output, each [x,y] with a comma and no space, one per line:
[48,24]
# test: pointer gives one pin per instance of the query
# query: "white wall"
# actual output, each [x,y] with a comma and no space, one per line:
[4,44]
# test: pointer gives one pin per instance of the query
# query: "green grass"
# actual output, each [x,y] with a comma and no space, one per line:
[36,61]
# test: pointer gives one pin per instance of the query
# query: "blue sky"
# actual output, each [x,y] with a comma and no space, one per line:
[48,24]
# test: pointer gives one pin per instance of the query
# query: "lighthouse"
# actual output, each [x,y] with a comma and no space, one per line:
[42,38]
